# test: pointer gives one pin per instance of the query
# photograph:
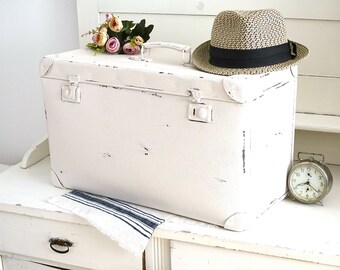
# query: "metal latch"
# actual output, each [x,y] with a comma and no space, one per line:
[195,95]
[71,91]
[198,111]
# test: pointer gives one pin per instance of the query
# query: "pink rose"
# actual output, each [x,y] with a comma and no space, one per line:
[131,49]
[100,37]
[115,24]
[113,45]
[108,17]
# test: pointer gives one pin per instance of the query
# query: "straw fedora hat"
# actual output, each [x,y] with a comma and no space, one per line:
[248,42]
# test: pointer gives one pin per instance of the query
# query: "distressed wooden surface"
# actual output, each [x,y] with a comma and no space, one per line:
[28,221]
[289,230]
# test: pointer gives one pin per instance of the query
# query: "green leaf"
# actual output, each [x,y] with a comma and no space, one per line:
[94,47]
[149,29]
[141,30]
[146,37]
[127,26]
[142,24]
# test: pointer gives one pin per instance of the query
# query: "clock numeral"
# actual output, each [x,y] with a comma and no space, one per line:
[297,174]
[302,170]
[309,169]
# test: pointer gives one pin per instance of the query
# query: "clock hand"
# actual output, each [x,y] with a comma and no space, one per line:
[302,184]
[313,188]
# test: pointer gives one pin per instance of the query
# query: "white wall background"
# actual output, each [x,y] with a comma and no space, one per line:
[29,30]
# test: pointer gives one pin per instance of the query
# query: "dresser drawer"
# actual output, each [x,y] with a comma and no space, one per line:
[188,256]
[31,236]
[9,263]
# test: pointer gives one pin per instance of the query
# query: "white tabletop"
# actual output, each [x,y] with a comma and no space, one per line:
[289,229]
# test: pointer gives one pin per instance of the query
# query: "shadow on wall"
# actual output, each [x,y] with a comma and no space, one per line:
[30,30]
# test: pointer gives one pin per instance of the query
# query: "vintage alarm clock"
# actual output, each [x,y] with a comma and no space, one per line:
[310,180]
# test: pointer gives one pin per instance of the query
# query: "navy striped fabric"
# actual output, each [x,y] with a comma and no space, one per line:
[142,222]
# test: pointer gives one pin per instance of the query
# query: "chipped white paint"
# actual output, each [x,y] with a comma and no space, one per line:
[28,222]
[196,257]
[161,155]
[290,236]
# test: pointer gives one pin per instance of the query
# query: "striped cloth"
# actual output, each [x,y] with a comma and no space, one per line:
[128,225]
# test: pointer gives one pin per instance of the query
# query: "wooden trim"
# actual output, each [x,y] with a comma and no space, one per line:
[317,122]
[325,143]
[298,9]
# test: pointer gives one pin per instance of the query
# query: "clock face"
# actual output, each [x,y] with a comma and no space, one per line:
[307,182]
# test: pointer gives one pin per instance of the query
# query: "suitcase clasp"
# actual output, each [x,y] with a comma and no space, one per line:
[195,95]
[200,112]
[71,91]
[197,111]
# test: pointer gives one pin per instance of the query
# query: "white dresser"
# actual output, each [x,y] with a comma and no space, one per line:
[289,236]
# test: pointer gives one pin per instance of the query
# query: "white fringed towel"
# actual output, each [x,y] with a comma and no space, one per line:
[128,225]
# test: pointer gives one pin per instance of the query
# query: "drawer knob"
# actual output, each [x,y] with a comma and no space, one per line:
[60,245]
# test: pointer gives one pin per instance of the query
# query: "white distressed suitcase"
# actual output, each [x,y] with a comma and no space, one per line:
[170,137]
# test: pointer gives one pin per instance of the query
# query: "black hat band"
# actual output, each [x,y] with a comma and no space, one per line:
[229,58]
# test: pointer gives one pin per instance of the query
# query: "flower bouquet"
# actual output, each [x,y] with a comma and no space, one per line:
[117,36]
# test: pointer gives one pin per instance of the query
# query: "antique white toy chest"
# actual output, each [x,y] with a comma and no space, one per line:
[170,137]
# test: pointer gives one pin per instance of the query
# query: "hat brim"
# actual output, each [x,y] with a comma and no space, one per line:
[200,58]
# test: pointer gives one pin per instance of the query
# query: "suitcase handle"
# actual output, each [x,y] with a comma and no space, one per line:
[174,46]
